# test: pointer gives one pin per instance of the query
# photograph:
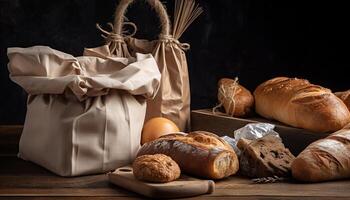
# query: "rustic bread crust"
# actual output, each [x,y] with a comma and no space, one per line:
[157,168]
[198,153]
[301,104]
[325,159]
[345,97]
[236,99]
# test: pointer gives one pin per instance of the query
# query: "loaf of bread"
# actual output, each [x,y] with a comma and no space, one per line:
[199,153]
[157,168]
[264,157]
[236,99]
[345,97]
[298,103]
[325,159]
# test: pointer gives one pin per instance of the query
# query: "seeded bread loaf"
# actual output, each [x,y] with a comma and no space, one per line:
[264,157]
[157,168]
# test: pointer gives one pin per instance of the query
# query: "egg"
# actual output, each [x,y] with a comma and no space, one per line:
[156,127]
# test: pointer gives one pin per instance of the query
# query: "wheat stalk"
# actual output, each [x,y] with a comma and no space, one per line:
[185,12]
[273,179]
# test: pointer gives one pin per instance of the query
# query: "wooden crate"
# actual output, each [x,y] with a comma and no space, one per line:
[294,138]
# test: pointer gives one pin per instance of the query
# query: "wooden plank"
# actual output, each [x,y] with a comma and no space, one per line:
[294,138]
[9,139]
[24,180]
[192,198]
[21,178]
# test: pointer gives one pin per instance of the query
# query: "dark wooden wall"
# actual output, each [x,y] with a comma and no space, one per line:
[255,40]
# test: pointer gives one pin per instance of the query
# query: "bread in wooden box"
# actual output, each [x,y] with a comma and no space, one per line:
[298,103]
[236,99]
[345,97]
[198,153]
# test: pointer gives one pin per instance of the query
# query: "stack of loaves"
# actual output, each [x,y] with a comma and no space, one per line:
[299,103]
[198,153]
[293,101]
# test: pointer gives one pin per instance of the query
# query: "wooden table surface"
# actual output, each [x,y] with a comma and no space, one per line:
[21,179]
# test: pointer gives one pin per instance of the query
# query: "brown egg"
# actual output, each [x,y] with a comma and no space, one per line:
[156,127]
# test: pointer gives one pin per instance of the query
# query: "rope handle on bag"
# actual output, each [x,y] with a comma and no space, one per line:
[155,4]
[116,35]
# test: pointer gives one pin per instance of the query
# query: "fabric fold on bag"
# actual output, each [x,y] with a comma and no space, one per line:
[42,70]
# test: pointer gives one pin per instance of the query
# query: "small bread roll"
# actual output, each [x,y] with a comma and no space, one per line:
[236,99]
[157,168]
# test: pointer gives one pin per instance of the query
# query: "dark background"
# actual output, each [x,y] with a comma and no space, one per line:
[254,40]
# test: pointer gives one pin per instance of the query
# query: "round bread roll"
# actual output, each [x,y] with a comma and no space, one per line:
[236,99]
[157,168]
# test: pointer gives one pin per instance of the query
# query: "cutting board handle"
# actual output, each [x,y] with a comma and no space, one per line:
[183,187]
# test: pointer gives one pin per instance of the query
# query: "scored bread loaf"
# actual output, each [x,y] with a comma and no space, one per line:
[198,153]
[236,99]
[298,103]
[325,159]
[345,97]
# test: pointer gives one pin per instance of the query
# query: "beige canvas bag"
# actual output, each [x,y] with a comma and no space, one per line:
[173,98]
[84,114]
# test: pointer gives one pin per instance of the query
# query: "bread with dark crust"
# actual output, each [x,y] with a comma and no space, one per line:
[264,157]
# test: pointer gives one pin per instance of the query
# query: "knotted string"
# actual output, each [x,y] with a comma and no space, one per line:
[170,39]
[225,93]
[112,38]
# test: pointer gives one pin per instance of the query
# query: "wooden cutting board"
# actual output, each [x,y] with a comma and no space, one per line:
[185,186]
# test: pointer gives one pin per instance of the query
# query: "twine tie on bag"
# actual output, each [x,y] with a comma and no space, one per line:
[170,39]
[111,36]
[227,96]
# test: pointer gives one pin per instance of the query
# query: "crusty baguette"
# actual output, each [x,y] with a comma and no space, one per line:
[325,159]
[236,99]
[345,97]
[199,153]
[298,103]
